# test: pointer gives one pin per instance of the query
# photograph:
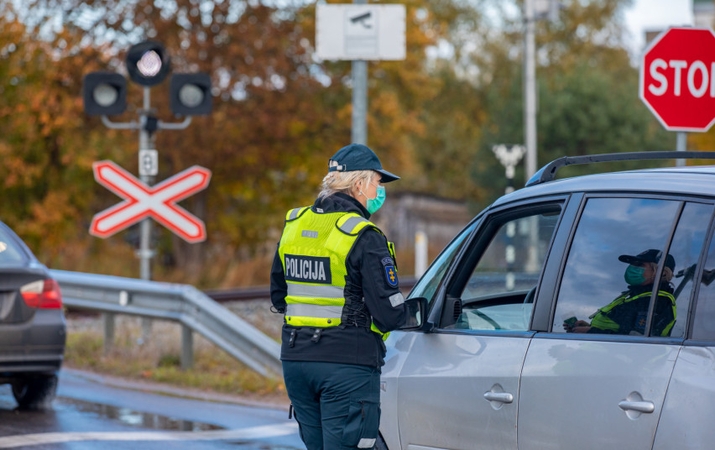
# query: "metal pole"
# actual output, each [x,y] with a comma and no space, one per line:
[187,347]
[510,252]
[529,89]
[359,117]
[145,227]
[145,252]
[681,146]
[421,246]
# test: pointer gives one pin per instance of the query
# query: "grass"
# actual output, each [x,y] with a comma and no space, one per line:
[156,357]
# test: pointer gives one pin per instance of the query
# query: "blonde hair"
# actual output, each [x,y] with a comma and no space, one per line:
[667,273]
[343,182]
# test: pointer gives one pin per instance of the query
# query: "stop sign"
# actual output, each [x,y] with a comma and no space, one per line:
[677,78]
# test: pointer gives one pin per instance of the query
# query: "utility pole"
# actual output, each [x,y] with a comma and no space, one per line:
[529,89]
[359,117]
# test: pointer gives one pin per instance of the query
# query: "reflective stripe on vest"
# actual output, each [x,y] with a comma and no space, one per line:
[313,291]
[295,213]
[301,309]
[353,222]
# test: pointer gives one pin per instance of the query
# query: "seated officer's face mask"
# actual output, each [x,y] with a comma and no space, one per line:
[634,275]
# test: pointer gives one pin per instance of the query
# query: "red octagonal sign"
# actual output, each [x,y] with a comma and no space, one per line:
[677,79]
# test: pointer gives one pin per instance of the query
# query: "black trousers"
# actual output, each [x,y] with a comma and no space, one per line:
[337,406]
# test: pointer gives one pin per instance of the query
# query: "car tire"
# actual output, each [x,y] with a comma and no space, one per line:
[35,393]
[380,443]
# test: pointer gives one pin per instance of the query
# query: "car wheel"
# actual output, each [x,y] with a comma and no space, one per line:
[35,393]
[380,443]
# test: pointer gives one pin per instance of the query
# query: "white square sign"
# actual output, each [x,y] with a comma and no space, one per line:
[369,32]
[148,162]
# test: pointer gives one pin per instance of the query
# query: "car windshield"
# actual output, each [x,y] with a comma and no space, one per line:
[11,253]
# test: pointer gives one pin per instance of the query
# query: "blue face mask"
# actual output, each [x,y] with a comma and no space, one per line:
[634,275]
[373,204]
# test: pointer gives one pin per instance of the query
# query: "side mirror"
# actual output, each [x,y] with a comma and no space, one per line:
[416,314]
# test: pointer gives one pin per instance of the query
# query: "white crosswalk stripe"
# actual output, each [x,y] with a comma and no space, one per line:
[261,432]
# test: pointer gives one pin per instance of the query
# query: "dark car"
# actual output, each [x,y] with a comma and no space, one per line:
[541,325]
[32,324]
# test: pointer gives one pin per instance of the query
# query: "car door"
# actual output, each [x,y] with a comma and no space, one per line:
[597,390]
[689,406]
[458,384]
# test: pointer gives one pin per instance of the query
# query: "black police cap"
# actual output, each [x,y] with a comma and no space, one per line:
[651,255]
[359,157]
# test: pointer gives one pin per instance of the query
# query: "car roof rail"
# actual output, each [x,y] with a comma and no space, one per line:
[548,172]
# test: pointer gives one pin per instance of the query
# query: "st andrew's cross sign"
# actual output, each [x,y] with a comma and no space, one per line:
[157,202]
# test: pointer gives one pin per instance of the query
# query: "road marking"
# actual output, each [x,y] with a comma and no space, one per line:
[262,432]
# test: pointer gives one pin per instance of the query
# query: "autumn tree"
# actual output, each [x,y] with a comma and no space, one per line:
[45,145]
[278,112]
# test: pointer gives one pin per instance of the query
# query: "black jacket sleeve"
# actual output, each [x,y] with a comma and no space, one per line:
[279,288]
[371,266]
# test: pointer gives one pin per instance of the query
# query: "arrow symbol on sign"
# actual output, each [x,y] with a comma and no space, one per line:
[142,200]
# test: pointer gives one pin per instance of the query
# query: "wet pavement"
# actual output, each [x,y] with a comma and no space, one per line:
[90,414]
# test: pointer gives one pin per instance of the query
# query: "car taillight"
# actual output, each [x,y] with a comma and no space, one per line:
[43,294]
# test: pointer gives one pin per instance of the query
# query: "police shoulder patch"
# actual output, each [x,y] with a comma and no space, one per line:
[391,276]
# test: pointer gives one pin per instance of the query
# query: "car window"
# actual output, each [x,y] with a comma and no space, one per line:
[617,248]
[10,252]
[431,279]
[686,248]
[505,268]
[704,318]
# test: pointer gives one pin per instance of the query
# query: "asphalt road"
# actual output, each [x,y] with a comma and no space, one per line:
[95,412]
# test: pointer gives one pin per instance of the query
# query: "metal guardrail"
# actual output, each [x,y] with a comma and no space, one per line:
[263,292]
[185,304]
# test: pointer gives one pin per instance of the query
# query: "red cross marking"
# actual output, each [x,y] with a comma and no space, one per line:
[142,200]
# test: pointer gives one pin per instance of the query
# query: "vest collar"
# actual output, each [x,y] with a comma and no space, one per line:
[340,202]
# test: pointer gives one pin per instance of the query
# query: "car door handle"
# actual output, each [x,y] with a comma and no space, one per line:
[643,407]
[501,397]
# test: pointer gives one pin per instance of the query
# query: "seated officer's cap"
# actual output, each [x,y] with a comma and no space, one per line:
[652,255]
[359,157]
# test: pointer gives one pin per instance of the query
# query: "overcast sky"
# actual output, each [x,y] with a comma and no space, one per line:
[647,15]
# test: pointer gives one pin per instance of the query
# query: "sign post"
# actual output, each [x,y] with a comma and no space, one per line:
[360,32]
[104,94]
[677,81]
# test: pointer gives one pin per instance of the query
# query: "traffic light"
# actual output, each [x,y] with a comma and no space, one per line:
[104,94]
[147,63]
[190,94]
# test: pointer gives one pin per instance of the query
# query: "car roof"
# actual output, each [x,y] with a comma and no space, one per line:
[686,180]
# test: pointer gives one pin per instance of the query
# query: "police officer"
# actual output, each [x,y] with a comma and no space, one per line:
[334,278]
[628,313]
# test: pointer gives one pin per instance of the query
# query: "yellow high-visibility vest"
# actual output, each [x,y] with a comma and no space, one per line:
[314,249]
[601,320]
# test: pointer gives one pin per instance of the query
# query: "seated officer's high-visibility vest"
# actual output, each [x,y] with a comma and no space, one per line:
[603,322]
[314,249]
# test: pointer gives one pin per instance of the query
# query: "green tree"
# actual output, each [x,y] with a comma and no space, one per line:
[587,89]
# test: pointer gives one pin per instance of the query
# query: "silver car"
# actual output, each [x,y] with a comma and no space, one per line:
[490,359]
[32,324]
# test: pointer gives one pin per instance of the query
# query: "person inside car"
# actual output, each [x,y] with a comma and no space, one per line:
[628,313]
